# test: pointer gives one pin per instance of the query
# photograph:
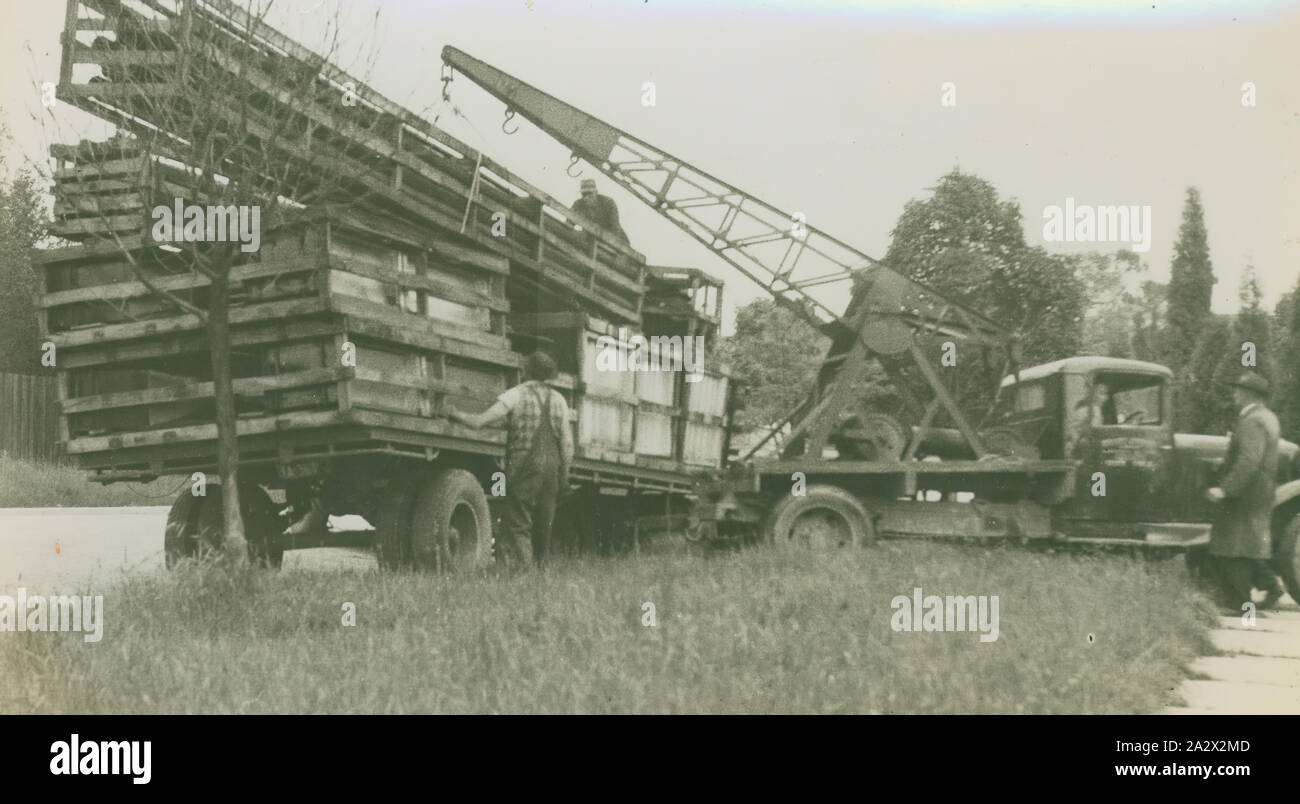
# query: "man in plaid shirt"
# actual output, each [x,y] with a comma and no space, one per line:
[539,451]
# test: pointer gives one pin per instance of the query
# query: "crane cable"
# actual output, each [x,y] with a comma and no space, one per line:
[476,182]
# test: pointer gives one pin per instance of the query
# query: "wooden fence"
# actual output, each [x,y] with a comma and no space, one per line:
[29,417]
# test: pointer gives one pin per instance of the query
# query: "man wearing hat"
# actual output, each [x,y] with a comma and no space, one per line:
[1239,540]
[600,209]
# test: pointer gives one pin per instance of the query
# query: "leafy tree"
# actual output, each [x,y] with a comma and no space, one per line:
[1251,325]
[776,354]
[1198,400]
[1125,309]
[22,226]
[1286,367]
[1149,321]
[967,244]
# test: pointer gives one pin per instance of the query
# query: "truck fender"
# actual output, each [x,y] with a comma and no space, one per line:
[1286,504]
[1285,493]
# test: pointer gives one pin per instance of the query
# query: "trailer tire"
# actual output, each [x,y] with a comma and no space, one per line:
[824,517]
[451,525]
[1286,557]
[393,524]
[261,525]
[178,536]
[196,526]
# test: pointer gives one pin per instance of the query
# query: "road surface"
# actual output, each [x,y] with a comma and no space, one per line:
[66,550]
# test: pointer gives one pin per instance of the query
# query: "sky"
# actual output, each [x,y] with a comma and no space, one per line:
[834,109]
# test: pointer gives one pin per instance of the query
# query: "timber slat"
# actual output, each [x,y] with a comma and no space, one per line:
[439,288]
[206,432]
[379,330]
[360,308]
[185,322]
[128,290]
[247,386]
[403,380]
[195,343]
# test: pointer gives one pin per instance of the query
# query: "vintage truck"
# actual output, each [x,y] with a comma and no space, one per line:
[1077,469]
[1041,467]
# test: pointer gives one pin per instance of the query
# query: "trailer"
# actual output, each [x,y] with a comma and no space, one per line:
[353,325]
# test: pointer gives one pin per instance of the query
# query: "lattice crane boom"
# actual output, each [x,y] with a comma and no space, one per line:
[795,262]
[868,309]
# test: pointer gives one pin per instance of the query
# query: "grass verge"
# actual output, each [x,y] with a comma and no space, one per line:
[24,484]
[752,631]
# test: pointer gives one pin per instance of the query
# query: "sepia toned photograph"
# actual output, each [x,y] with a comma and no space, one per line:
[413,357]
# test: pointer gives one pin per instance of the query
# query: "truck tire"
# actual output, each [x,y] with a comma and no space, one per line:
[179,540]
[1286,557]
[826,517]
[451,526]
[261,525]
[1198,565]
[393,525]
[195,526]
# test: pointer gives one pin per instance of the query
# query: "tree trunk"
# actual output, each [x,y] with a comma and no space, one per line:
[236,546]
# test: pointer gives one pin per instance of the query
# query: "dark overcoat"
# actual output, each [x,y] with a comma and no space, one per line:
[1249,478]
[603,211]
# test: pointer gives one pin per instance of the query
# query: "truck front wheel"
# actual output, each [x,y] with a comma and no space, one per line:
[825,517]
[1286,557]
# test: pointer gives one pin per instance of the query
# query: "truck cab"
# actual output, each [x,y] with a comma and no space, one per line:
[1136,481]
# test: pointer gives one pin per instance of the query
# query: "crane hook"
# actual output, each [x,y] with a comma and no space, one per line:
[573,160]
[510,113]
[447,74]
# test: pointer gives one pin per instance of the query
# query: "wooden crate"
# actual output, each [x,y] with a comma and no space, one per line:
[637,417]
[108,188]
[333,323]
[682,301]
[397,164]
[706,422]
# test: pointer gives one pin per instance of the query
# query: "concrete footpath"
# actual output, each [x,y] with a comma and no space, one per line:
[1259,673]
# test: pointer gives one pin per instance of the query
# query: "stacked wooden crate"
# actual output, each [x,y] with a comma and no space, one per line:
[361,324]
[682,301]
[705,428]
[651,418]
[344,321]
[98,188]
[153,58]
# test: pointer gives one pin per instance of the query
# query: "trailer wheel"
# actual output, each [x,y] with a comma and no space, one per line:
[826,517]
[1286,557]
[451,526]
[393,524]
[196,526]
[261,525]
[179,536]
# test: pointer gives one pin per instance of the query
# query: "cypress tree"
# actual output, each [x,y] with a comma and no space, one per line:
[1191,281]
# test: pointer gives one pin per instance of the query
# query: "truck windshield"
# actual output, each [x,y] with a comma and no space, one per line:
[1127,399]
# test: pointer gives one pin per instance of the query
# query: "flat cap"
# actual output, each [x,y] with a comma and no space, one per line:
[1251,382]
